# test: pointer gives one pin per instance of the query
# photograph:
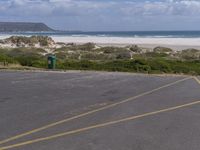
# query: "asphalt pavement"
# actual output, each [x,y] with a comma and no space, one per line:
[77,110]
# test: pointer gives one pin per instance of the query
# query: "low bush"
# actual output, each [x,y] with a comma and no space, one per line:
[95,61]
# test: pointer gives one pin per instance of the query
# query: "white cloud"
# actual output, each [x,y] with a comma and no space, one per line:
[100,13]
[48,7]
[168,7]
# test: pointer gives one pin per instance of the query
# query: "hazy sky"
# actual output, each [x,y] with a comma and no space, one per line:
[105,14]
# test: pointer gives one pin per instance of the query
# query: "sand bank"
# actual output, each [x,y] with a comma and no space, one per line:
[175,43]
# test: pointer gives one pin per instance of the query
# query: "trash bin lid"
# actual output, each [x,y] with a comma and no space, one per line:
[51,57]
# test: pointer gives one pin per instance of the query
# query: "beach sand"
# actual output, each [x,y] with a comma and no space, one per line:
[174,43]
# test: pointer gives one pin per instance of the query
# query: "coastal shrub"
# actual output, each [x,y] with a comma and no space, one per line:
[153,54]
[124,55]
[62,49]
[190,54]
[135,48]
[42,63]
[96,56]
[140,65]
[27,60]
[107,50]
[61,55]
[75,56]
[143,68]
[43,43]
[160,49]
[102,61]
[21,41]
[6,59]
[85,64]
[86,47]
[113,50]
[160,65]
[16,52]
[140,61]
[186,67]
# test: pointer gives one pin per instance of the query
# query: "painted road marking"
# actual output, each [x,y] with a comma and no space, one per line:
[90,112]
[99,126]
[198,81]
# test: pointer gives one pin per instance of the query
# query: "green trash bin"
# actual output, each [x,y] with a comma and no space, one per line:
[51,62]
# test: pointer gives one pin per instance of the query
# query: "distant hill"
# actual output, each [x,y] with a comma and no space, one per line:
[23,27]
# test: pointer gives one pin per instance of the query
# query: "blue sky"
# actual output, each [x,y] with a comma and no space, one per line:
[104,15]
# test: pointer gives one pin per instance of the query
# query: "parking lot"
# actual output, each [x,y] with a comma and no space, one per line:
[77,110]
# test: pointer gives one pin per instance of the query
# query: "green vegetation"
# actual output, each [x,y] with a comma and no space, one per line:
[138,65]
[189,54]
[91,57]
[144,65]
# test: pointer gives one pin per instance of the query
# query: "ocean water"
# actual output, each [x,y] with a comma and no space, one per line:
[139,34]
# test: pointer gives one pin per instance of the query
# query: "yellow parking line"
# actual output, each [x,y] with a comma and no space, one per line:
[98,126]
[90,112]
[198,81]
